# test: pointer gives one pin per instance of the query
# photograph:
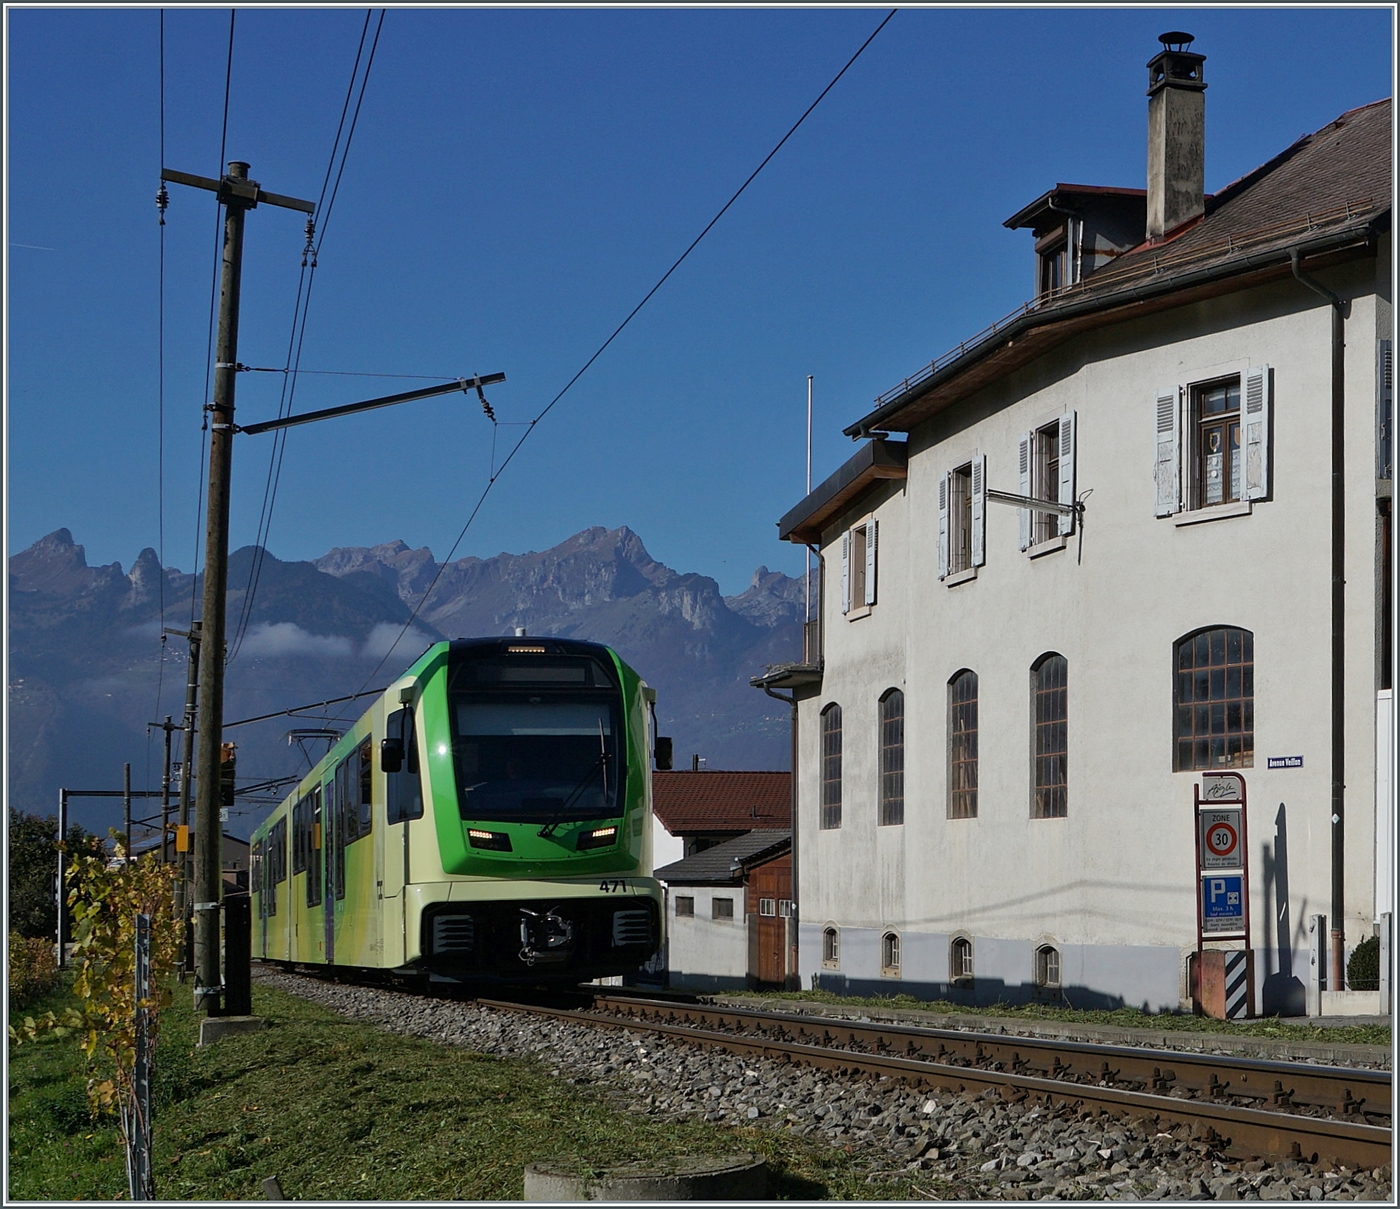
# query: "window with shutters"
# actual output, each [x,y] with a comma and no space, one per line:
[721,908]
[892,758]
[1050,737]
[1385,411]
[962,513]
[1213,696]
[831,767]
[1045,464]
[685,904]
[962,746]
[1217,471]
[1213,442]
[858,557]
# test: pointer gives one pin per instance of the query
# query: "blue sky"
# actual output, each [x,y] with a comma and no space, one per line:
[518,180]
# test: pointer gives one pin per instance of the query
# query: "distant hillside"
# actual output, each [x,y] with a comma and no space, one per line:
[86,664]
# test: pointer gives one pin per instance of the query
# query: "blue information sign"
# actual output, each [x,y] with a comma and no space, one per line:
[1222,903]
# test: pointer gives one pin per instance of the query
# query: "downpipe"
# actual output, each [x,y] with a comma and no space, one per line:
[1336,971]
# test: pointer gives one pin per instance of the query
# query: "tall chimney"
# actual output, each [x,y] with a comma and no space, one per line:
[1176,136]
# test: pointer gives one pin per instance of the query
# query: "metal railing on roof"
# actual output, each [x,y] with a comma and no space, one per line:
[1104,280]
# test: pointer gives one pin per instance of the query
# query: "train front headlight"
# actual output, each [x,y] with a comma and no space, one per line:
[600,837]
[497,841]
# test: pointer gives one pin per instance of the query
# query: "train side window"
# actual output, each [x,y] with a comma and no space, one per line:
[276,862]
[337,815]
[313,871]
[405,788]
[364,798]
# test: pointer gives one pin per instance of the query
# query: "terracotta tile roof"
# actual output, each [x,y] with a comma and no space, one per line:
[1328,192]
[717,865]
[690,802]
[1336,178]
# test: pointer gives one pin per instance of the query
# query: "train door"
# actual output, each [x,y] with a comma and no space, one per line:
[314,870]
[256,887]
[403,802]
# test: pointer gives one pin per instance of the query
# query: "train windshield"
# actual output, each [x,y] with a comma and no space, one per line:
[536,744]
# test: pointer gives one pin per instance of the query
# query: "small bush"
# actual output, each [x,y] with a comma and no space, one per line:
[1364,967]
[33,969]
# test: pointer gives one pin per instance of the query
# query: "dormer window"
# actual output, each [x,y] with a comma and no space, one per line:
[1052,252]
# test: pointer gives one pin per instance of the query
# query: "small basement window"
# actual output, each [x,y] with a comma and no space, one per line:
[889,954]
[1047,966]
[960,960]
[831,948]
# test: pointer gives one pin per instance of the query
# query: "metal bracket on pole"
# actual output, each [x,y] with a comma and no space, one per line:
[1029,501]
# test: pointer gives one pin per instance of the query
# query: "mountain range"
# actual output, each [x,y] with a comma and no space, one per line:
[89,671]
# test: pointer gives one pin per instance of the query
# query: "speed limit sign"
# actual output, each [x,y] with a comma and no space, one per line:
[1220,839]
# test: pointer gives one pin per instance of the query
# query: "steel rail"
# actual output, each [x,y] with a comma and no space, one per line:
[1243,1131]
[1345,1090]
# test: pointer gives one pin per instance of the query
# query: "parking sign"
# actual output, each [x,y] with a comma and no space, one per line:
[1222,904]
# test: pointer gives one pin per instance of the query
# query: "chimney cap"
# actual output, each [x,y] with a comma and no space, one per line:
[1176,39]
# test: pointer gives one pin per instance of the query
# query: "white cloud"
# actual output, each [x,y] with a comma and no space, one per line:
[382,638]
[288,638]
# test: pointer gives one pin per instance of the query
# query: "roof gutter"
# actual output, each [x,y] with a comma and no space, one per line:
[1339,309]
[862,429]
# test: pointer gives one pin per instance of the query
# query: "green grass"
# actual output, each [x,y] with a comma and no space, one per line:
[1125,1017]
[57,1149]
[339,1110]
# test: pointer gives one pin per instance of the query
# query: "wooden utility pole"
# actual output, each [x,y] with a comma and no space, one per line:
[238,195]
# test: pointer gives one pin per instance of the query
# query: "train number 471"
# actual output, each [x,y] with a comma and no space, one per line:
[612,887]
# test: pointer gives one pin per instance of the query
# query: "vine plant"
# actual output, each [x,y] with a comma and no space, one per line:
[106,893]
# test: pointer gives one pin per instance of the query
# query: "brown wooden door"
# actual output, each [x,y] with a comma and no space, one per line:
[768,893]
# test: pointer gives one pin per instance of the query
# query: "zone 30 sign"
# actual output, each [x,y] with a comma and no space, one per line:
[1220,838]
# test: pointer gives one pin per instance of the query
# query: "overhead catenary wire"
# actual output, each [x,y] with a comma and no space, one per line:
[209,339]
[300,314]
[617,331]
[301,311]
[162,200]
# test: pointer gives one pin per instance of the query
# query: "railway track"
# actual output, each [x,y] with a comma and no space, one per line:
[1246,1107]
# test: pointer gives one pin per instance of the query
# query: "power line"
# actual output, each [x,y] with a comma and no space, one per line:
[297,709]
[496,473]
[213,299]
[297,338]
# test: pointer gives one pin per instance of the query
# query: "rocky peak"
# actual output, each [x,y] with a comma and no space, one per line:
[145,579]
[56,564]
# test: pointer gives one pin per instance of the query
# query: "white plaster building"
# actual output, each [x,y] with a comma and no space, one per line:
[1000,731]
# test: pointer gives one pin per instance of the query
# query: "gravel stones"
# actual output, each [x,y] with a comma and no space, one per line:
[977,1146]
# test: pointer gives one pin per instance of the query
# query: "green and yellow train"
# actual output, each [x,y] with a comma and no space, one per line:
[488,818]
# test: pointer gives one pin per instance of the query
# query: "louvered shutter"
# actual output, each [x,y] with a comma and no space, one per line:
[870,530]
[943,527]
[1256,432]
[1168,462]
[1023,487]
[846,571]
[979,510]
[1385,410]
[1066,486]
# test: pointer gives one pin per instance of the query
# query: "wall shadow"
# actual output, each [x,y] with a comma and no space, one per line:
[1283,993]
[984,992]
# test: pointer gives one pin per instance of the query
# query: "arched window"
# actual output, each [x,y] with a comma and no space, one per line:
[889,953]
[1050,736]
[892,758]
[1047,966]
[960,960]
[831,948]
[1213,695]
[962,746]
[831,767]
